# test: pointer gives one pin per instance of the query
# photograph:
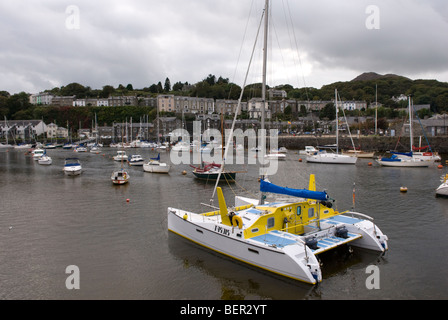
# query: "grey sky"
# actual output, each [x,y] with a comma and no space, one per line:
[144,41]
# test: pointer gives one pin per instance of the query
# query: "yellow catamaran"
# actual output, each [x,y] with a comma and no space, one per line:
[283,236]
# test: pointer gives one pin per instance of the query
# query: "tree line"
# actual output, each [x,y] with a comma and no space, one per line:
[380,89]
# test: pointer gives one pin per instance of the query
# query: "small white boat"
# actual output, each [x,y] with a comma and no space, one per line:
[181,146]
[279,150]
[45,160]
[401,160]
[308,150]
[50,146]
[136,160]
[120,177]
[442,190]
[121,156]
[37,153]
[275,156]
[323,156]
[23,146]
[80,148]
[95,149]
[155,166]
[68,146]
[72,167]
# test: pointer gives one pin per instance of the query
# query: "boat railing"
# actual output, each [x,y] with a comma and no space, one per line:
[360,214]
[309,222]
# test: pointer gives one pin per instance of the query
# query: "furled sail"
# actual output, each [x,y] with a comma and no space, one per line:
[301,193]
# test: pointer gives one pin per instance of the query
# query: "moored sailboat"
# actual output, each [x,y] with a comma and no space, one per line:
[404,159]
[155,166]
[322,156]
[284,237]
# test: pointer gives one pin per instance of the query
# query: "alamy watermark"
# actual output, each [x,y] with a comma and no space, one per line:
[373,19]
[73,20]
[256,145]
[373,280]
[73,280]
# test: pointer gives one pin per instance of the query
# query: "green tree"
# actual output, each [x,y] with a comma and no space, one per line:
[329,112]
[107,91]
[167,86]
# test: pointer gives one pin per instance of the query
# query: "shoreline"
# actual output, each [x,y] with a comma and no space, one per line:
[366,143]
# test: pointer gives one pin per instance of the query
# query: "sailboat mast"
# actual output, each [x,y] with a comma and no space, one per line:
[263,94]
[410,123]
[265,56]
[337,119]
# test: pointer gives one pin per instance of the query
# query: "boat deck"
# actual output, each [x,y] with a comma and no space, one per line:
[280,239]
[329,243]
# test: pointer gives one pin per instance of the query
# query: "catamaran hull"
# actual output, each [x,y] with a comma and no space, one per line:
[442,190]
[293,261]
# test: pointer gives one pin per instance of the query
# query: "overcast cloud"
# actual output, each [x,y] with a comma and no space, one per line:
[142,42]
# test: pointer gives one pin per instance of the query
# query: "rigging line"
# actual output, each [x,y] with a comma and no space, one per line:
[423,129]
[241,47]
[348,128]
[230,138]
[297,50]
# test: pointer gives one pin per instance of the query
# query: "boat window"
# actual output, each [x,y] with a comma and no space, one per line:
[299,210]
[271,223]
[310,212]
[254,230]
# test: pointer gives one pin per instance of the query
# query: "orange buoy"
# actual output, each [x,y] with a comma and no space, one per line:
[300,160]
[127,200]
[370,164]
[440,166]
[403,189]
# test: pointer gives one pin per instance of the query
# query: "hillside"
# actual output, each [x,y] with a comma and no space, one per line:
[369,76]
[366,85]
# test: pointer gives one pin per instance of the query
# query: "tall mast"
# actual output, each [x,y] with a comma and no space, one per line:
[410,123]
[265,58]
[337,119]
[263,94]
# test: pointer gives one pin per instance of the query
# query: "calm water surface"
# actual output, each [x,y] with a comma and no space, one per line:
[123,250]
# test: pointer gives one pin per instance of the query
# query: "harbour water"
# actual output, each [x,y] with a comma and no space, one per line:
[117,235]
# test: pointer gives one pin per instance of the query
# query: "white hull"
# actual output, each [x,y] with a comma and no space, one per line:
[442,190]
[290,257]
[331,158]
[120,177]
[45,161]
[405,163]
[136,163]
[309,150]
[76,171]
[156,167]
[289,261]
[275,156]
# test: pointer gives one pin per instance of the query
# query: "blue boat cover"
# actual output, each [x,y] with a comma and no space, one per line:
[394,158]
[301,193]
[408,154]
[158,158]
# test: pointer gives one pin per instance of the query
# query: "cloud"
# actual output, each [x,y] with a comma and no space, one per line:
[313,43]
